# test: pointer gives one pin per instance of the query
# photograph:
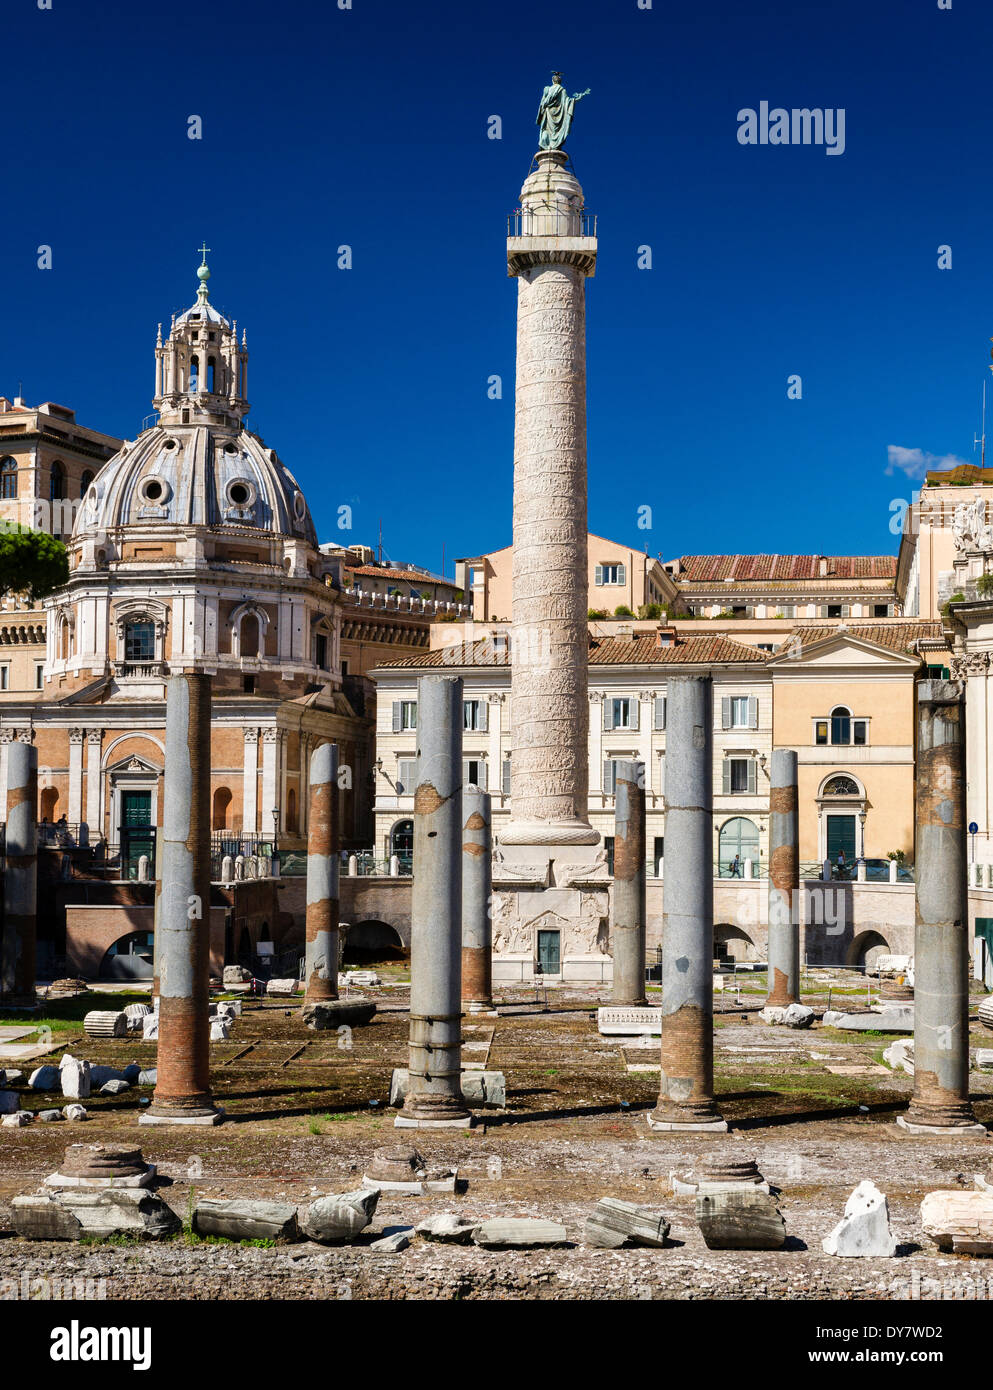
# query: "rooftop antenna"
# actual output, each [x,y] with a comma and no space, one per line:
[980,439]
[380,549]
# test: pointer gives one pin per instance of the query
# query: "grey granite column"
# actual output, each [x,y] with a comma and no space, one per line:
[182,1091]
[784,881]
[686,1094]
[477,902]
[434,1093]
[321,967]
[20,882]
[629,929]
[940,1103]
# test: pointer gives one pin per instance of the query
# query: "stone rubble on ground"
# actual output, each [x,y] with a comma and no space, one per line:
[246,1220]
[865,1227]
[613,1223]
[959,1222]
[740,1221]
[447,1228]
[45,1078]
[75,1074]
[70,1214]
[393,1243]
[519,1233]
[336,1219]
[17,1120]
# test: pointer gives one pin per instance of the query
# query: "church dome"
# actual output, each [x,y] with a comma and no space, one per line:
[192,475]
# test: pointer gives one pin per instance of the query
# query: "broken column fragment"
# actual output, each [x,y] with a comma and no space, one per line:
[686,1095]
[477,905]
[940,1104]
[784,881]
[20,880]
[321,968]
[182,1091]
[434,1095]
[628,933]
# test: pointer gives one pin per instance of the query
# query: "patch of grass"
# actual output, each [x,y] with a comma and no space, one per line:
[120,1238]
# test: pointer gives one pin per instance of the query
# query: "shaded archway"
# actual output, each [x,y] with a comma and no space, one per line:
[732,943]
[866,948]
[373,940]
[49,802]
[130,958]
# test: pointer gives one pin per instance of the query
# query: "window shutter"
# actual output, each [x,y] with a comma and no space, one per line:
[608,714]
[622,574]
[635,708]
[396,716]
[751,776]
[753,712]
[598,576]
[482,716]
[846,610]
[465,772]
[483,782]
[608,777]
[725,711]
[726,770]
[662,775]
[505,777]
[660,711]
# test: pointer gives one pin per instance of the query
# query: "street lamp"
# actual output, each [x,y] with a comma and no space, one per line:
[862,815]
[275,842]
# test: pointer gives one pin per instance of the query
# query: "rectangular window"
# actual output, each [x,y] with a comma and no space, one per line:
[408,714]
[659,851]
[406,779]
[739,777]
[39,677]
[834,610]
[938,673]
[4,677]
[139,642]
[821,731]
[860,731]
[620,714]
[474,715]
[880,610]
[739,711]
[474,773]
[608,844]
[321,652]
[610,574]
[344,668]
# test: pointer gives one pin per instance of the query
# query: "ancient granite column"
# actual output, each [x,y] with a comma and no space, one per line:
[182,1092]
[321,966]
[940,1103]
[629,929]
[551,258]
[157,899]
[784,881]
[434,1091]
[686,1095]
[477,902]
[20,882]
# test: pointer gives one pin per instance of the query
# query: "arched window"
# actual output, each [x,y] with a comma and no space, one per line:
[402,843]
[8,477]
[841,725]
[84,482]
[139,641]
[194,374]
[841,786]
[291,811]
[222,800]
[739,840]
[49,801]
[249,645]
[65,637]
[56,482]
[211,371]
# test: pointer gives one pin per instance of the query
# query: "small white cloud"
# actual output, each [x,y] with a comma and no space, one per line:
[916,462]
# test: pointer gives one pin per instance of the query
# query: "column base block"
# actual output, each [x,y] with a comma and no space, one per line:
[687,1126]
[406,1122]
[210,1117]
[941,1131]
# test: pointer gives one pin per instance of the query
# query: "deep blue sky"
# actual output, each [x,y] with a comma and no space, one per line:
[368,127]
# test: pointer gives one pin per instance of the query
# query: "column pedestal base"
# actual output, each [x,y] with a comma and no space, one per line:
[165,1117]
[941,1131]
[408,1122]
[480,1006]
[717,1126]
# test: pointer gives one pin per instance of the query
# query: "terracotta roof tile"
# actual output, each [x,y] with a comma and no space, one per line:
[899,634]
[613,651]
[710,569]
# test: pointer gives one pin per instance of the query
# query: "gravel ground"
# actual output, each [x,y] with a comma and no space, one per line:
[574,1131]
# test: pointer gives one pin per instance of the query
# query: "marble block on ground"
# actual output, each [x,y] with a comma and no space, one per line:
[619,1022]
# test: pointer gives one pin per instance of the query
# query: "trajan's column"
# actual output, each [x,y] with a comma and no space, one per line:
[549,843]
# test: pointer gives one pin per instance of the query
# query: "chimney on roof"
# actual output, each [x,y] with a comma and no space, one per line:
[822,566]
[665,636]
[20,403]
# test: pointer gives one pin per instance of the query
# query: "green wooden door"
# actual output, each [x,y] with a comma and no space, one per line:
[548,952]
[137,832]
[984,950]
[841,836]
